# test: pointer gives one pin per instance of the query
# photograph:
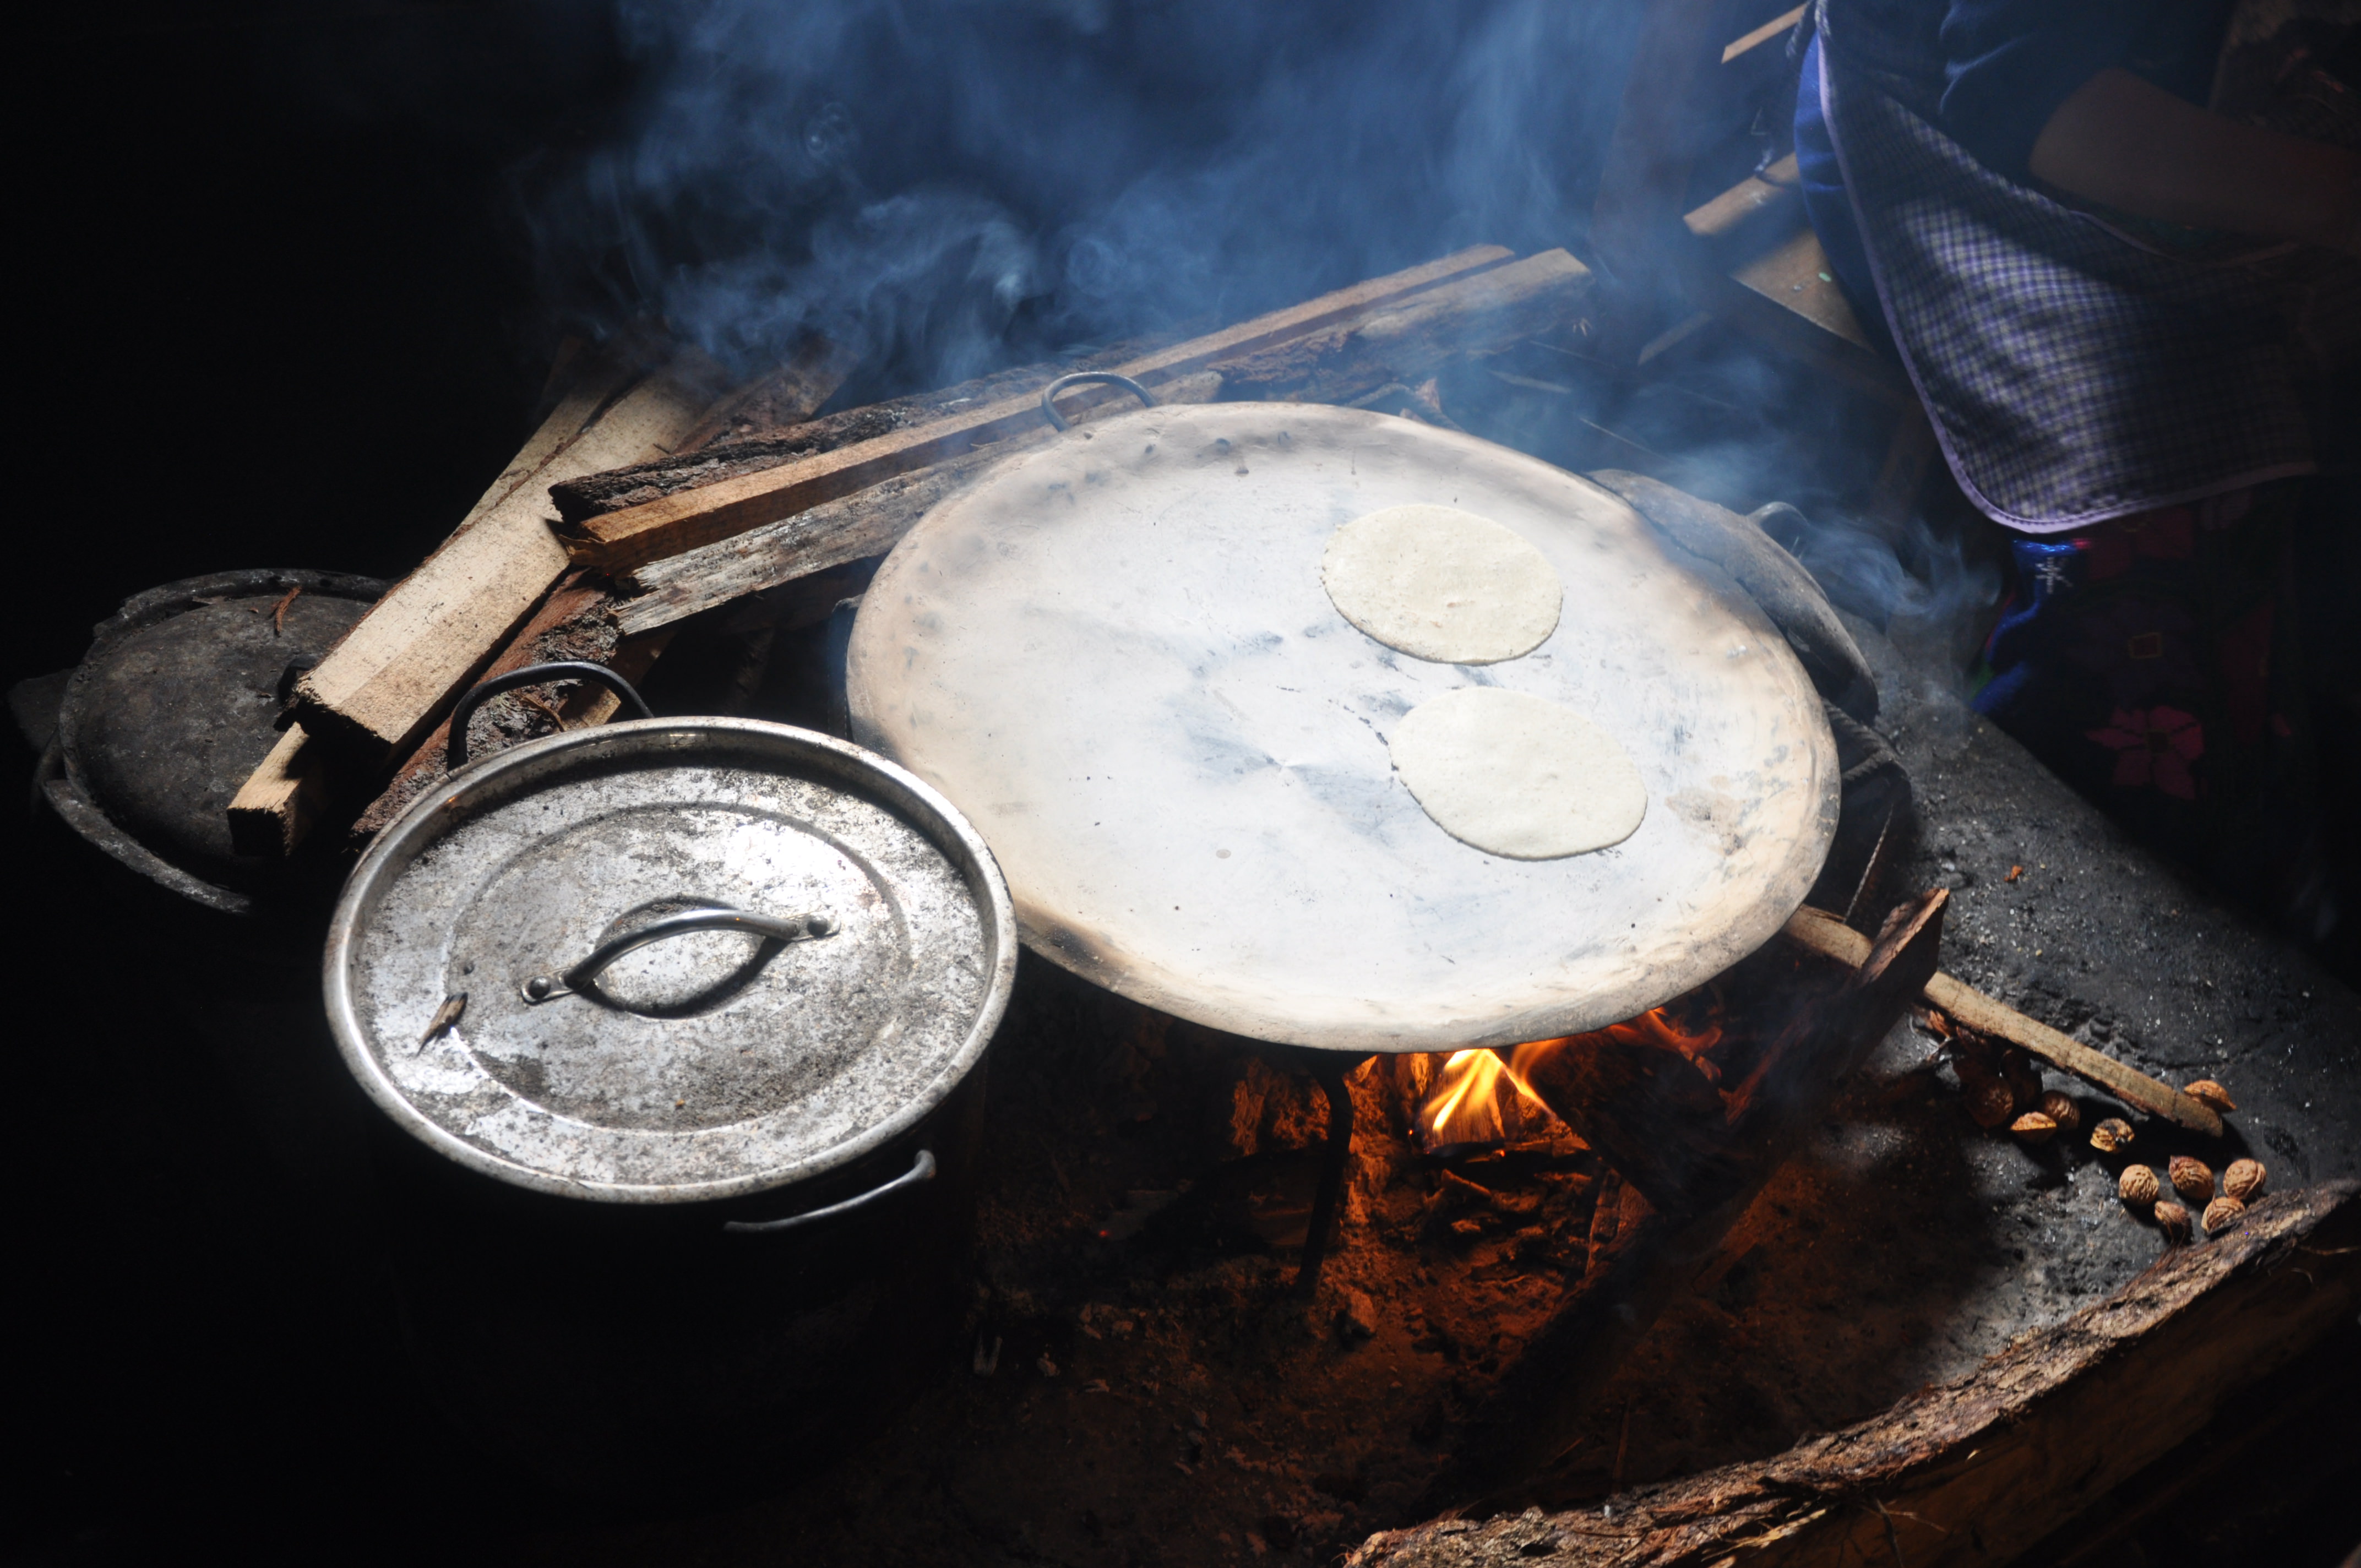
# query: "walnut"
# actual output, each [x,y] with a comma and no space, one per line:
[2174,1221]
[1991,1101]
[2244,1180]
[2221,1215]
[2138,1184]
[2192,1178]
[2112,1135]
[2205,1091]
[2061,1109]
[2033,1128]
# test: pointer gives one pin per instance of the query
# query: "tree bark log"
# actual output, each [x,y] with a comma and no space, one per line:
[1977,1470]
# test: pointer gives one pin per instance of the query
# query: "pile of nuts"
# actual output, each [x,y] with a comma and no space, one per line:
[2193,1181]
[2004,1089]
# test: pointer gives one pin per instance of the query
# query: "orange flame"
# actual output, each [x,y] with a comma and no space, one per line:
[1465,1090]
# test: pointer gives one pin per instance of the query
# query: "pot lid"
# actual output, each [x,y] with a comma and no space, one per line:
[1117,656]
[698,957]
[177,703]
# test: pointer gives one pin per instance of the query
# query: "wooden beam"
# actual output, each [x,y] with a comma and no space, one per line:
[1979,1471]
[1827,934]
[672,524]
[1776,190]
[379,690]
[1777,27]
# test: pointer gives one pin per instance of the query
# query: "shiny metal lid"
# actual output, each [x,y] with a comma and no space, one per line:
[699,957]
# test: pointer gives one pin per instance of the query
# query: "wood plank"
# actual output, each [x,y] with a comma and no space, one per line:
[638,534]
[380,689]
[279,800]
[1977,1471]
[1777,190]
[1777,27]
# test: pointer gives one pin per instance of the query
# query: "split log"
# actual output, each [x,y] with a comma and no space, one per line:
[379,690]
[1695,1156]
[733,457]
[1977,1471]
[858,527]
[1410,342]
[779,401]
[1826,934]
[671,524]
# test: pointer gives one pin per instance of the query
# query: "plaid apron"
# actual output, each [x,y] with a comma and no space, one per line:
[2137,404]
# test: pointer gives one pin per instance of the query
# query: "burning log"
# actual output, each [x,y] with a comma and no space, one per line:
[1980,1470]
[1825,934]
[672,524]
[1694,1153]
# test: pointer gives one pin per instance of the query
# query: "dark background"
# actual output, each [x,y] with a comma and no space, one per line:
[285,311]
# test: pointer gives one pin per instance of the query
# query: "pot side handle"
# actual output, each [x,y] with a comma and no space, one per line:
[921,1170]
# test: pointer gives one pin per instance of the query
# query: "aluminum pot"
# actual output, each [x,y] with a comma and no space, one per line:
[683,1024]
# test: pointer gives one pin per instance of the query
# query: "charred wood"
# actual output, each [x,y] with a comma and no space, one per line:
[1695,1154]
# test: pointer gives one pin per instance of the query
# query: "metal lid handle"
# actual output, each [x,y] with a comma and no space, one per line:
[784,928]
[1083,378]
[534,674]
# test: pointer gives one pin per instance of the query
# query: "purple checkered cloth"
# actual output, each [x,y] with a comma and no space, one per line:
[2073,372]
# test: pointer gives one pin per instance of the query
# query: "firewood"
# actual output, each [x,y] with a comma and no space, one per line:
[379,690]
[1411,341]
[672,524]
[779,401]
[1825,933]
[1980,1470]
[858,527]
[733,456]
[576,622]
[1698,1155]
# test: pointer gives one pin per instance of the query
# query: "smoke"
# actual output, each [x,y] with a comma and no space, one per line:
[943,185]
[1925,589]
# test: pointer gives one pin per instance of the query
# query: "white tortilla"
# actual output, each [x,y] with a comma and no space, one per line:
[1442,584]
[1517,775]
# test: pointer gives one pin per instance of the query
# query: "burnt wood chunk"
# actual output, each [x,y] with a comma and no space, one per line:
[1697,1154]
[1980,1470]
